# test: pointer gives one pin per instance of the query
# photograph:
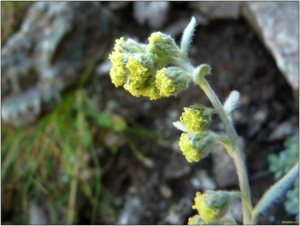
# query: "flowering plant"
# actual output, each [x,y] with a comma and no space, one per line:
[162,69]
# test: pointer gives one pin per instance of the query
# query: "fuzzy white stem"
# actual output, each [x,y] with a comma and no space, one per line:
[237,154]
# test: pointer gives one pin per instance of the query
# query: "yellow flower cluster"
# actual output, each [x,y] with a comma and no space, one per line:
[142,69]
[195,145]
[133,68]
[212,205]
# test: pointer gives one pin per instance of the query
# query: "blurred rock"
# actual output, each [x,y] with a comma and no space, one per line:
[236,210]
[261,115]
[118,5]
[103,69]
[223,166]
[177,213]
[37,215]
[284,130]
[218,10]
[56,42]
[178,26]
[277,24]
[154,13]
[114,139]
[203,181]
[177,167]
[165,191]
[132,212]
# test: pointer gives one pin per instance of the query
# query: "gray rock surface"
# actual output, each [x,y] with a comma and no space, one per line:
[56,42]
[37,214]
[132,211]
[223,166]
[277,24]
[154,13]
[218,10]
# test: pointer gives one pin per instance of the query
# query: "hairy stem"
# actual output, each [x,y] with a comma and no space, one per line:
[236,152]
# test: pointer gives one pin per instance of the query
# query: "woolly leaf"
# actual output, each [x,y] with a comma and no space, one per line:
[275,192]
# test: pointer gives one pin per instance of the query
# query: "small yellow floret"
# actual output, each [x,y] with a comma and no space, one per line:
[163,45]
[151,92]
[196,145]
[207,213]
[164,84]
[118,75]
[118,71]
[141,81]
[186,145]
[118,48]
[212,205]
[195,119]
[155,38]
[137,77]
[136,68]
[171,81]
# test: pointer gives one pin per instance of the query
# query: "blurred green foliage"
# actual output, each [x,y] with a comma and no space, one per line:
[280,164]
[56,157]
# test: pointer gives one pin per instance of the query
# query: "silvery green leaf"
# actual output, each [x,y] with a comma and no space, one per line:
[231,102]
[187,36]
[275,192]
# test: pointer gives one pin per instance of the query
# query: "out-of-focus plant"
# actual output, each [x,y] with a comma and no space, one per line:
[281,164]
[56,158]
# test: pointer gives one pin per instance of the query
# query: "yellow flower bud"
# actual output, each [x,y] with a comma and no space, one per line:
[137,77]
[128,46]
[163,45]
[171,81]
[212,205]
[196,145]
[123,50]
[118,75]
[196,117]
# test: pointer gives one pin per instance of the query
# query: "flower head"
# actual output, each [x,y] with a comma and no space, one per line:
[129,46]
[163,45]
[196,145]
[140,68]
[171,81]
[123,51]
[212,205]
[196,117]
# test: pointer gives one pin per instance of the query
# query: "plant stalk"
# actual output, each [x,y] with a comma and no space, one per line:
[236,153]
